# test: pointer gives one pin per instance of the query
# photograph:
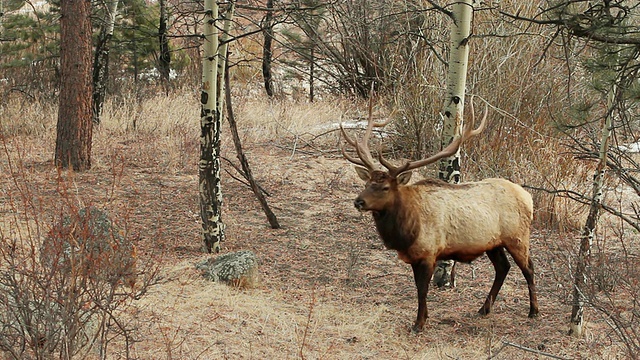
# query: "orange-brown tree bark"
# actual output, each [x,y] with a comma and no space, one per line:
[75,126]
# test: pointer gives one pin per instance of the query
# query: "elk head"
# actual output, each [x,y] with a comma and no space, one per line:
[381,188]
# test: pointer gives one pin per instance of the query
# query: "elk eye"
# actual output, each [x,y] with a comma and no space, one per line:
[385,188]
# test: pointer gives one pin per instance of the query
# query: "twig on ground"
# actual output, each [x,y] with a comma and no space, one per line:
[294,149]
[524,348]
[381,276]
[295,145]
[306,328]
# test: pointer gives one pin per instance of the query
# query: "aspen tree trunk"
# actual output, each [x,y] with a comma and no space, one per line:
[576,327]
[453,111]
[1,16]
[209,166]
[101,59]
[223,52]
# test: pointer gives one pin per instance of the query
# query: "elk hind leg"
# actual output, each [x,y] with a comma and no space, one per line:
[501,265]
[525,264]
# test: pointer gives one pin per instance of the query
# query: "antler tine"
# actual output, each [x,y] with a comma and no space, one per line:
[352,159]
[473,119]
[362,146]
[347,137]
[451,149]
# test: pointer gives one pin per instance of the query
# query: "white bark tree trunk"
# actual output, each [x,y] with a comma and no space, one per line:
[223,52]
[1,16]
[577,322]
[453,111]
[101,59]
[209,166]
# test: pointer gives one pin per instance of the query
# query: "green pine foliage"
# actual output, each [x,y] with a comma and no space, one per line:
[135,39]
[30,42]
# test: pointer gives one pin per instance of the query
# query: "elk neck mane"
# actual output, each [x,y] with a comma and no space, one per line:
[399,225]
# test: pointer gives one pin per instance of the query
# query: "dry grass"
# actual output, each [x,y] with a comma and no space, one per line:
[265,324]
[328,289]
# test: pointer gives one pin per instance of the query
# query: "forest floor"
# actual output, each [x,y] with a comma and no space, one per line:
[328,288]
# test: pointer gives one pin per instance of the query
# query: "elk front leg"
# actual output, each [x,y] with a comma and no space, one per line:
[422,273]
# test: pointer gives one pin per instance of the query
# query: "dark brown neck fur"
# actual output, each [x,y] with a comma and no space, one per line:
[399,225]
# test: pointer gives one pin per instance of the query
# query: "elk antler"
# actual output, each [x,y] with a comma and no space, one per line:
[362,146]
[451,149]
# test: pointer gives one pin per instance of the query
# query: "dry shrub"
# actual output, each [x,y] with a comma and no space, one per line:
[87,244]
[159,114]
[66,280]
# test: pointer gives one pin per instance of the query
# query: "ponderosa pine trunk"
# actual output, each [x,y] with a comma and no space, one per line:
[453,111]
[75,125]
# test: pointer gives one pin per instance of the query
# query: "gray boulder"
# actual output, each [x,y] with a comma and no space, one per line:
[239,269]
[89,243]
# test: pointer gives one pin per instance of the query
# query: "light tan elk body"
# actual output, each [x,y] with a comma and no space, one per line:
[433,220]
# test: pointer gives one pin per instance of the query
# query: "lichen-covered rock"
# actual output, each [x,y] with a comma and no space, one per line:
[90,245]
[236,269]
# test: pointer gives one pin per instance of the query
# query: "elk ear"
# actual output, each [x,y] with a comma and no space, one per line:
[362,173]
[404,178]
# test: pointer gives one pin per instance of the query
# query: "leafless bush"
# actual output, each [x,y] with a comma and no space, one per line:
[613,280]
[65,280]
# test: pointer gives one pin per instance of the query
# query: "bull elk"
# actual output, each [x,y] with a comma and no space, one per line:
[433,220]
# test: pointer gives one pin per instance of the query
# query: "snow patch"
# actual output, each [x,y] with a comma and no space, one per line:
[630,148]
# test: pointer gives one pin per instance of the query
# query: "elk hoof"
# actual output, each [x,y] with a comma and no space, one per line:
[533,314]
[484,310]
[416,329]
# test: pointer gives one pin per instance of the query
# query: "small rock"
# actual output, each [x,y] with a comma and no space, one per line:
[89,243]
[239,269]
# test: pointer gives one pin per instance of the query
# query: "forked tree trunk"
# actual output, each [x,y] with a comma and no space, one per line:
[101,59]
[576,327]
[209,167]
[271,217]
[75,125]
[453,111]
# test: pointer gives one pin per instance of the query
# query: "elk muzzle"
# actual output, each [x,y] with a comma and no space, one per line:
[359,203]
